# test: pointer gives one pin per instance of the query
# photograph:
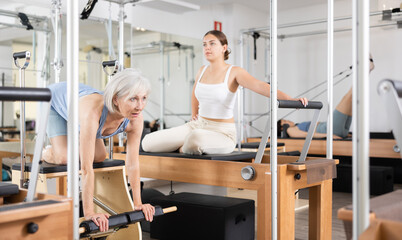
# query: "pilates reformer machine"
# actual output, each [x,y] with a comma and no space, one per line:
[385,207]
[379,147]
[23,213]
[110,181]
[250,170]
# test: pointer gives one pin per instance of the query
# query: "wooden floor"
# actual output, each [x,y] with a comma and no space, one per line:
[339,200]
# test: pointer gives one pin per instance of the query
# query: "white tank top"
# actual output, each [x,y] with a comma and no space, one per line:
[216,101]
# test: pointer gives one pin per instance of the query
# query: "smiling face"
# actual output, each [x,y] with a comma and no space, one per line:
[131,107]
[213,48]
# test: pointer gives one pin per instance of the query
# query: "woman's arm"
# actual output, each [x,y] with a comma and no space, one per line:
[194,101]
[134,132]
[89,123]
[244,79]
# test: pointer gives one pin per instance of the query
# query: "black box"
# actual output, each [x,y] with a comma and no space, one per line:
[205,217]
[381,179]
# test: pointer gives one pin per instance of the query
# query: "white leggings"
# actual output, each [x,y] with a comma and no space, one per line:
[196,137]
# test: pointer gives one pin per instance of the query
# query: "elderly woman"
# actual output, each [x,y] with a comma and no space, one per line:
[101,115]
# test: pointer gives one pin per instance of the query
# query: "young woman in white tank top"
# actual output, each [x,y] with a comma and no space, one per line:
[212,129]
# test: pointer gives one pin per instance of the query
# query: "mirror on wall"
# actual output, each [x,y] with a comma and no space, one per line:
[169,61]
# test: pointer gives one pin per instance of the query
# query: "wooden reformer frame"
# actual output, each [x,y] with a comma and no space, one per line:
[227,174]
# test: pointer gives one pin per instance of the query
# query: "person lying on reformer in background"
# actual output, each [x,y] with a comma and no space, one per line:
[101,115]
[342,118]
[212,129]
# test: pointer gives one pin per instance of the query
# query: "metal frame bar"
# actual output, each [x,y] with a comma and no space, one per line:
[392,103]
[273,35]
[27,57]
[38,152]
[15,14]
[72,106]
[162,84]
[57,28]
[361,180]
[114,68]
[163,47]
[330,79]
[304,23]
[310,134]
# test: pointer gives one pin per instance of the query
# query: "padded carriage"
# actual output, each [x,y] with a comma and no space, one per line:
[45,167]
[234,156]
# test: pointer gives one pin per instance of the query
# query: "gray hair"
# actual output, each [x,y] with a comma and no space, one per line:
[127,83]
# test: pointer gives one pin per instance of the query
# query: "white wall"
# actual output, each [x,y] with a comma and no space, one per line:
[5,68]
[302,62]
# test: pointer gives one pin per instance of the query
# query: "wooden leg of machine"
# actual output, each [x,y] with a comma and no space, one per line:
[61,186]
[41,184]
[320,211]
[109,185]
[264,209]
[286,205]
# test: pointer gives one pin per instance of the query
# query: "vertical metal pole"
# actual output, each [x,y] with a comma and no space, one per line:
[266,60]
[360,117]
[109,34]
[22,130]
[3,78]
[240,96]
[111,142]
[121,54]
[72,106]
[121,37]
[192,74]
[57,39]
[274,107]
[330,74]
[162,80]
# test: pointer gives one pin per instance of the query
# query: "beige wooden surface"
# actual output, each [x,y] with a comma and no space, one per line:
[381,148]
[110,187]
[54,220]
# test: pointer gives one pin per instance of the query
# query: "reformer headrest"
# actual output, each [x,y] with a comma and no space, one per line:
[7,189]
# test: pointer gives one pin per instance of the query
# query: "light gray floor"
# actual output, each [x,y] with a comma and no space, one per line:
[339,200]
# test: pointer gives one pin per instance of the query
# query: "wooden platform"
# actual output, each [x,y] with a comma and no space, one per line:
[227,174]
[380,148]
[53,218]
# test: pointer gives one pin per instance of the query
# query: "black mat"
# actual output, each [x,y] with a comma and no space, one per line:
[45,167]
[26,205]
[234,156]
[7,189]
[257,144]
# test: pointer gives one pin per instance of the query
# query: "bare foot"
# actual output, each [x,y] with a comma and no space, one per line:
[47,154]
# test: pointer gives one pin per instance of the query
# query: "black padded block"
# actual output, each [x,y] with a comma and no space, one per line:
[381,179]
[200,217]
[291,153]
[234,156]
[252,145]
[45,167]
[7,189]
